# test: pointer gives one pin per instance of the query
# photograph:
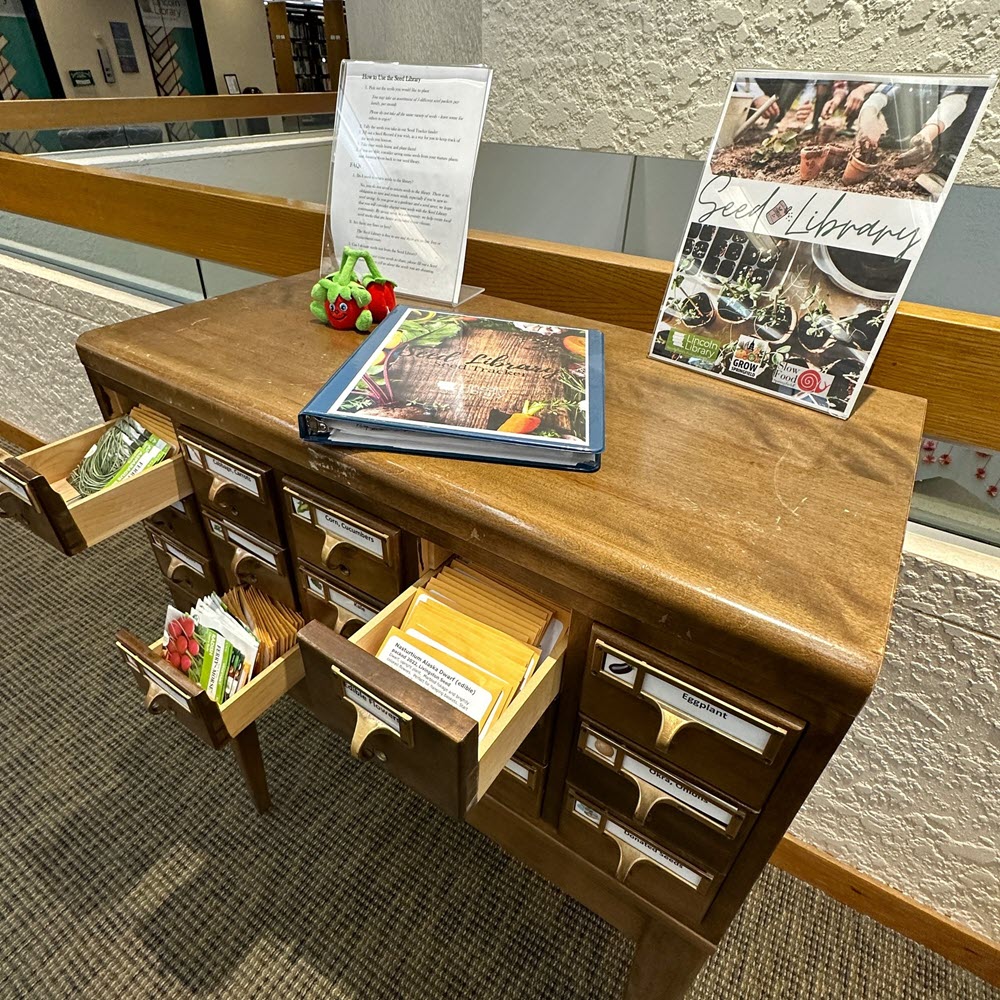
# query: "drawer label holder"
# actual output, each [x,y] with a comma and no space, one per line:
[632,849]
[338,529]
[657,785]
[682,705]
[373,714]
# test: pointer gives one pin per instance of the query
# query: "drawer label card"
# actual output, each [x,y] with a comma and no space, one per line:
[257,551]
[315,586]
[371,704]
[187,560]
[518,770]
[342,600]
[178,505]
[619,668]
[681,793]
[193,455]
[9,482]
[706,712]
[685,874]
[237,477]
[350,532]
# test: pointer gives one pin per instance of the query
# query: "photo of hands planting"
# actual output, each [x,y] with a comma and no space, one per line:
[898,140]
[798,319]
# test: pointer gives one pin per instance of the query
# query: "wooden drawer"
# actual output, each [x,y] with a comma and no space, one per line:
[537,745]
[331,602]
[245,558]
[520,786]
[726,737]
[182,567]
[166,690]
[233,485]
[182,522]
[356,548]
[418,737]
[669,881]
[34,490]
[659,801]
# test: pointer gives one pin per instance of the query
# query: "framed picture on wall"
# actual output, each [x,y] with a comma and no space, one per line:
[232,83]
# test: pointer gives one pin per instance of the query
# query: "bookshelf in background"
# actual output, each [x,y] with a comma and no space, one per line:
[307,53]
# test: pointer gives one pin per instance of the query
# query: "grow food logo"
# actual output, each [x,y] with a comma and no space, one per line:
[748,358]
[805,380]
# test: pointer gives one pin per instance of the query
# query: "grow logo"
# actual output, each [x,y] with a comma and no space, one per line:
[749,357]
[804,380]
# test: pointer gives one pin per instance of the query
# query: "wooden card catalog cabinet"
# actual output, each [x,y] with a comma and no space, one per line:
[650,769]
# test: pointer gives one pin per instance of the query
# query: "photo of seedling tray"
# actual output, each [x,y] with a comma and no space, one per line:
[720,254]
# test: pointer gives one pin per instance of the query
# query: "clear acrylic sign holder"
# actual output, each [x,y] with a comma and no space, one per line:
[406,140]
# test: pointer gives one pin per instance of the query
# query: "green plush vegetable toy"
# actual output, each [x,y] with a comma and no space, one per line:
[345,303]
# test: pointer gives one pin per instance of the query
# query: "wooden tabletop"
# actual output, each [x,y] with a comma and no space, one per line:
[748,515]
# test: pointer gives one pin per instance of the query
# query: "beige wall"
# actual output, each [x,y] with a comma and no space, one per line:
[70,28]
[648,77]
[239,42]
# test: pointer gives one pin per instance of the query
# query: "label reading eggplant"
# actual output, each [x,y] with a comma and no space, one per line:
[708,713]
[224,470]
[350,533]
[673,866]
[373,705]
[8,482]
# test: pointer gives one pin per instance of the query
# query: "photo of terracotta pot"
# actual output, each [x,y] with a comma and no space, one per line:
[812,160]
[857,170]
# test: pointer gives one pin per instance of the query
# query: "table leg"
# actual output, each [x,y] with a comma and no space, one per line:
[664,966]
[248,756]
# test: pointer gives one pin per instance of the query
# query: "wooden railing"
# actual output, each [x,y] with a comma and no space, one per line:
[950,358]
[16,116]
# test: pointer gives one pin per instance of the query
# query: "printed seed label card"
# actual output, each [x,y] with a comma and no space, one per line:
[817,199]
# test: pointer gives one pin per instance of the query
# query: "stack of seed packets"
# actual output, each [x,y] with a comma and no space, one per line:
[125,449]
[226,641]
[471,640]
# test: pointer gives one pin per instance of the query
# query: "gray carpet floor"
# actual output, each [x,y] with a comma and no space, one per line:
[133,865]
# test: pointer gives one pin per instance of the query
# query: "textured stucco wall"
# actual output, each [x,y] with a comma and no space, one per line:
[911,797]
[432,32]
[645,77]
[43,387]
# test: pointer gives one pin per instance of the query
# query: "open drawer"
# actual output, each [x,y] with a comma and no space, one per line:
[165,689]
[421,739]
[34,490]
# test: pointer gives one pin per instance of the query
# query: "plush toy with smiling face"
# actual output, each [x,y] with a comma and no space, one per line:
[348,303]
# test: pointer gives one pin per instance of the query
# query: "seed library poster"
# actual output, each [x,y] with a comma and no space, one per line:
[815,204]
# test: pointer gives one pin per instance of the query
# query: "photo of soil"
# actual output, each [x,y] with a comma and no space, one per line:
[890,139]
[799,319]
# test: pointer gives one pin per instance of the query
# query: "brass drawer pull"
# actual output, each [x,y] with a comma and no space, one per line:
[156,699]
[217,486]
[648,797]
[173,566]
[628,858]
[373,714]
[330,544]
[363,728]
[240,556]
[670,725]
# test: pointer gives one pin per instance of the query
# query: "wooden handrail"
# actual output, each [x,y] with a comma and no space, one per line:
[16,116]
[950,358]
